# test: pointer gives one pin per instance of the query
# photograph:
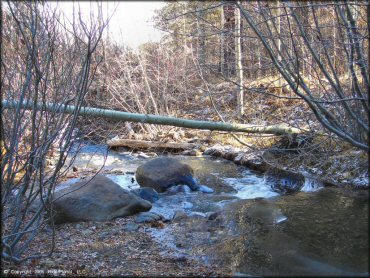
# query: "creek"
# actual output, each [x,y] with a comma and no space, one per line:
[247,227]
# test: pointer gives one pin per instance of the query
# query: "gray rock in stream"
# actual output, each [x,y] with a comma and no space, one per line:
[205,189]
[179,189]
[147,217]
[167,214]
[99,199]
[131,227]
[241,274]
[164,172]
[147,193]
[284,182]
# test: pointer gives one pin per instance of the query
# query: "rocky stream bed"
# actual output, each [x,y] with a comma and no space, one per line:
[246,227]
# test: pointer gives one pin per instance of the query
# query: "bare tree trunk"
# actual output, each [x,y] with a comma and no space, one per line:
[201,40]
[222,42]
[185,47]
[239,65]
[278,15]
[229,12]
[334,42]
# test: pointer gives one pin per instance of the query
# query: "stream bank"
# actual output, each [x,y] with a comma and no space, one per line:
[271,162]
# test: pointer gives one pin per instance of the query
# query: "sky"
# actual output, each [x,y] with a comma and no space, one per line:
[130,24]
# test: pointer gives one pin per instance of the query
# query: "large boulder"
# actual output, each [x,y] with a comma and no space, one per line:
[99,200]
[163,172]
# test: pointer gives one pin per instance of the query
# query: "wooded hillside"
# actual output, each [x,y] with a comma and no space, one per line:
[302,63]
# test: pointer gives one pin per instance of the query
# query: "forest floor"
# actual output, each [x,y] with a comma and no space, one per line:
[115,248]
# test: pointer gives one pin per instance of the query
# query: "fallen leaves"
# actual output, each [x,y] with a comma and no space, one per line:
[80,251]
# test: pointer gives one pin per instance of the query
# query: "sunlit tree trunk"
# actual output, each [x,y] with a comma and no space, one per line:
[278,14]
[201,39]
[222,42]
[229,46]
[334,40]
[185,47]
[238,63]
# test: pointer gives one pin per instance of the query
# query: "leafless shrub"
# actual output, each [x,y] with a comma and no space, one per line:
[149,80]
[45,59]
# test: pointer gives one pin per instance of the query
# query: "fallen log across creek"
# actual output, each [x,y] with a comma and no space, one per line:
[141,144]
[150,119]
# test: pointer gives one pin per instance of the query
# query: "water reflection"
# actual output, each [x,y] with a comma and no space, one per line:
[326,233]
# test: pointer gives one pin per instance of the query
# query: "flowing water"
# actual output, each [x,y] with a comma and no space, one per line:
[246,226]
